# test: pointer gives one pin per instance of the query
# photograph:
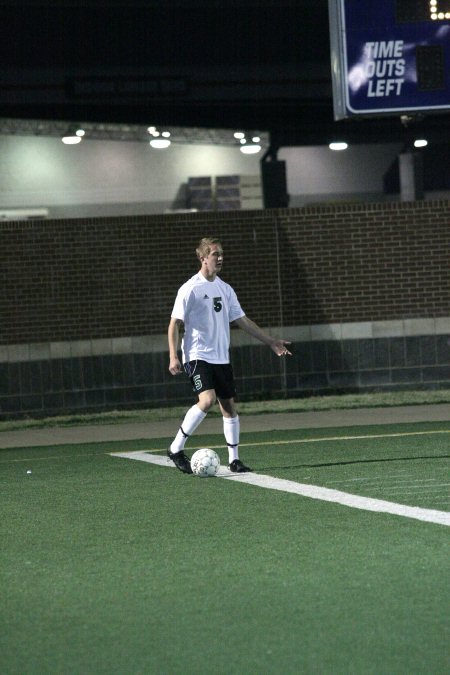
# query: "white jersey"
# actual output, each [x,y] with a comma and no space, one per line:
[207,308]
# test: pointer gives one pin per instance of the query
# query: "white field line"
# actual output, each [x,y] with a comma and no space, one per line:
[259,443]
[340,438]
[329,438]
[312,491]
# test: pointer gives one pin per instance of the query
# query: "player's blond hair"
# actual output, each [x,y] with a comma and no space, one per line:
[204,247]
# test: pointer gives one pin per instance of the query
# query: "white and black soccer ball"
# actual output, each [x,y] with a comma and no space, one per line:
[205,462]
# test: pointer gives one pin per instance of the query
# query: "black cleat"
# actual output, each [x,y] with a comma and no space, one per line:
[236,466]
[181,461]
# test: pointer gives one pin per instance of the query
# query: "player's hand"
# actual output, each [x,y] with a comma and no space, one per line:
[175,366]
[280,349]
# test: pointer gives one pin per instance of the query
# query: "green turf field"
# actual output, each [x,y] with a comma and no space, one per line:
[111,565]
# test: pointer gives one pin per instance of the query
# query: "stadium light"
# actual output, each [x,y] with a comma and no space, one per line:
[160,143]
[73,136]
[250,148]
[338,146]
[71,140]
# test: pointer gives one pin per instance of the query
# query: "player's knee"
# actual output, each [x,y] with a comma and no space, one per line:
[207,399]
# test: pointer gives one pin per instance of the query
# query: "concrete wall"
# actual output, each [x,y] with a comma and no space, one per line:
[317,174]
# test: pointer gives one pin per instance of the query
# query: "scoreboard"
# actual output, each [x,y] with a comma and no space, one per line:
[389,57]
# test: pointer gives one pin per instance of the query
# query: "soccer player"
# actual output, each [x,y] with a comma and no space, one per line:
[207,306]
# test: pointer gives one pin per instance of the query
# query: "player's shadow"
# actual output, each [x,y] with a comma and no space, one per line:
[352,461]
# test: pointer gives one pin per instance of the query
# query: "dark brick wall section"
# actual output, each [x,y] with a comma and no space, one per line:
[111,277]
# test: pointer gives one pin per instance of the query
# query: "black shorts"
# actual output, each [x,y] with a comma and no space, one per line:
[217,376]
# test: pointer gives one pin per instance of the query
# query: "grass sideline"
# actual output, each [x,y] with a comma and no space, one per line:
[310,404]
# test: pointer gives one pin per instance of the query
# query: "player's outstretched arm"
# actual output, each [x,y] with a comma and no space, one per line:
[277,345]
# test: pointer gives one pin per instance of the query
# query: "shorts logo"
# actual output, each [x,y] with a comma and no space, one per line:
[197,381]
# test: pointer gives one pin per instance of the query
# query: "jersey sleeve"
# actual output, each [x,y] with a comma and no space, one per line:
[236,311]
[179,307]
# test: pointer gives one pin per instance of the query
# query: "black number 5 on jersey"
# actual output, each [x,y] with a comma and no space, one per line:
[217,304]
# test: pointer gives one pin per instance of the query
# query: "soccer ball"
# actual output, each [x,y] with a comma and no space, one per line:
[205,462]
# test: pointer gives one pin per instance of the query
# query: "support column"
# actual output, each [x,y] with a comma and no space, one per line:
[411,176]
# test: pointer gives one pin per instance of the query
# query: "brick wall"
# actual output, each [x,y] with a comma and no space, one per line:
[363,292]
[87,279]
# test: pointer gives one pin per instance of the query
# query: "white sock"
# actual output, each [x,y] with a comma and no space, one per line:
[192,419]
[231,428]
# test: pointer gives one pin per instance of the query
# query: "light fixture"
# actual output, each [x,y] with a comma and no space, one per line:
[157,141]
[73,136]
[420,143]
[71,140]
[338,146]
[160,143]
[250,148]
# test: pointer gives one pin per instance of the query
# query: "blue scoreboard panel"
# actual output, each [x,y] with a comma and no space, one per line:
[390,57]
